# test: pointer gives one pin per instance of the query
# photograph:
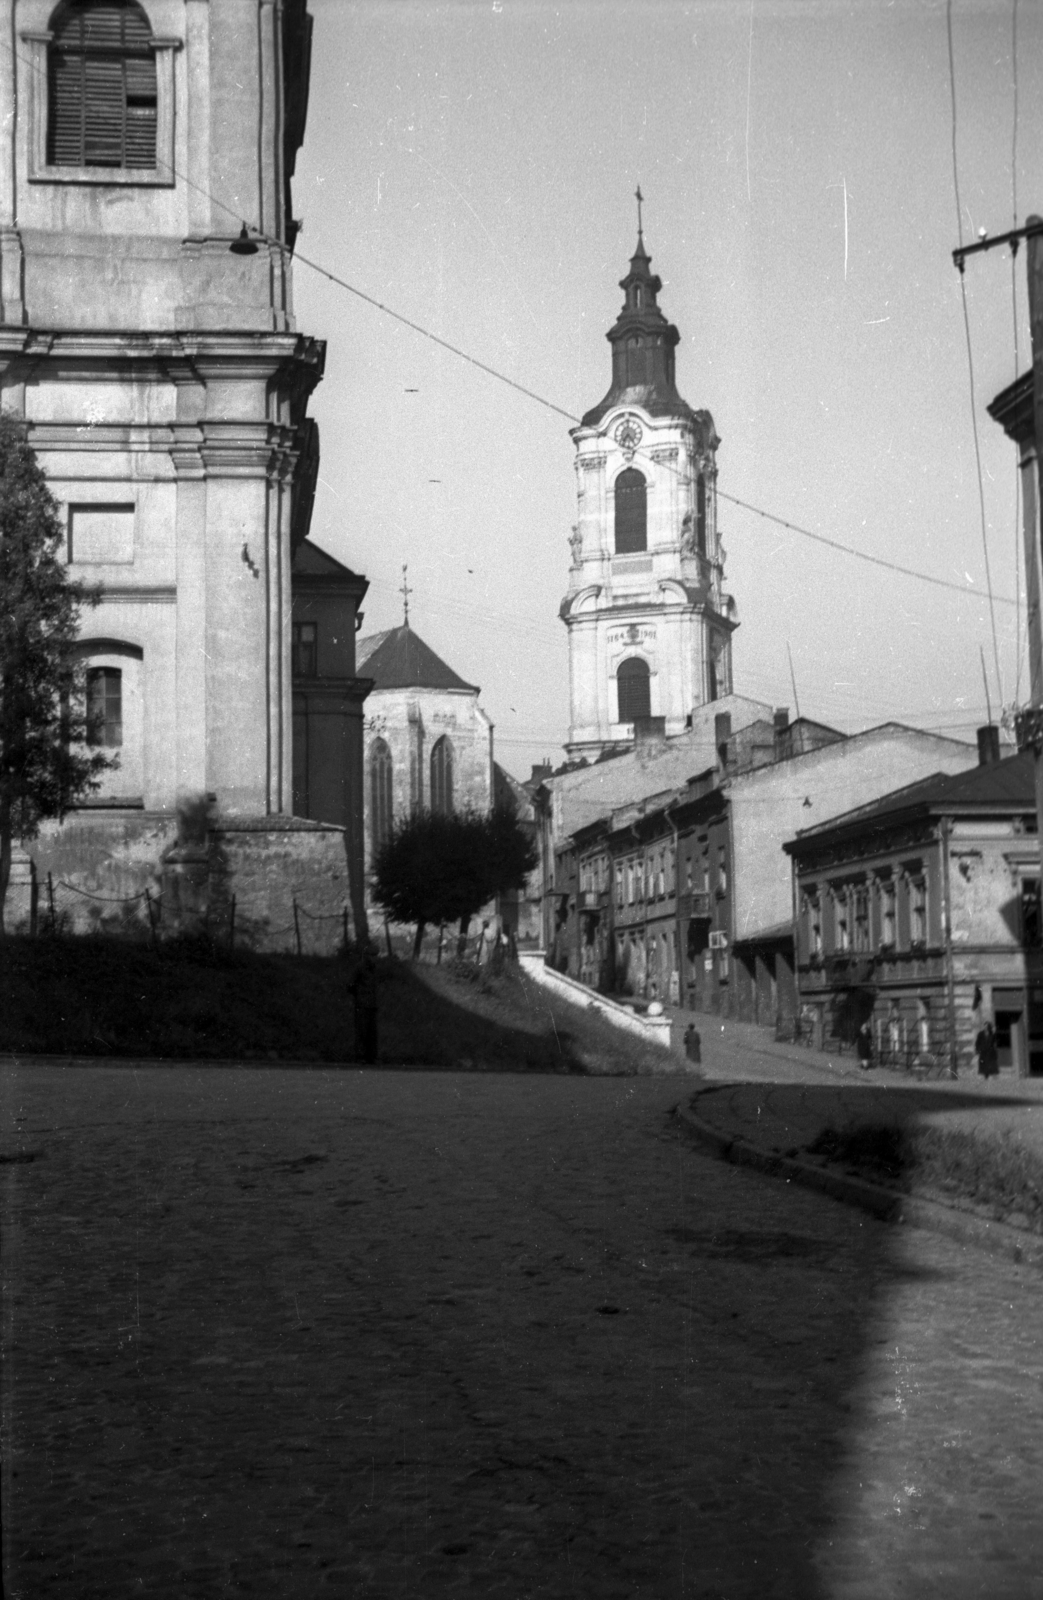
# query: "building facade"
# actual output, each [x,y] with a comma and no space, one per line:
[921,915]
[429,744]
[648,620]
[155,358]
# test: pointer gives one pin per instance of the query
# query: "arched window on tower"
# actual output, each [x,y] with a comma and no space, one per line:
[101,71]
[700,514]
[442,777]
[634,685]
[379,795]
[631,513]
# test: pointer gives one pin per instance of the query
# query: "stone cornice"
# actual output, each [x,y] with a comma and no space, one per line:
[190,357]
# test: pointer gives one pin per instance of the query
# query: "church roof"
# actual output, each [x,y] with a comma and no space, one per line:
[643,343]
[399,659]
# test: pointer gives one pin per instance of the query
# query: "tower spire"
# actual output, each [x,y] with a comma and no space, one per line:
[639,197]
[405,591]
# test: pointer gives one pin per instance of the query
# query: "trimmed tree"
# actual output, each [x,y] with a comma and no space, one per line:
[46,763]
[435,868]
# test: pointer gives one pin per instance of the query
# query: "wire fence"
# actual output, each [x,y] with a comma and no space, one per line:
[59,899]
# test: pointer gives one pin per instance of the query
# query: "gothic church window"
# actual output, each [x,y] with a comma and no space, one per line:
[101,72]
[442,777]
[634,685]
[631,513]
[105,705]
[379,794]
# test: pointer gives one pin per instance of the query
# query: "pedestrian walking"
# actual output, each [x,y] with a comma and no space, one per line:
[987,1052]
[864,1046]
[693,1044]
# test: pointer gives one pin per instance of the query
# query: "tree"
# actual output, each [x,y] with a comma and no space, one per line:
[46,760]
[438,868]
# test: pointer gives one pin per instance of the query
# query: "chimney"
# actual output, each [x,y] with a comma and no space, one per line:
[988,745]
[781,723]
[541,772]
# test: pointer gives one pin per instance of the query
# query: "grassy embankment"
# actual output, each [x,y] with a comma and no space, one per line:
[102,997]
[995,1174]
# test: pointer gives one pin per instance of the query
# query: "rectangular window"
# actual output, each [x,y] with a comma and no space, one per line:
[841,922]
[1031,928]
[722,869]
[918,911]
[813,925]
[619,883]
[861,910]
[688,875]
[887,914]
[105,706]
[305,650]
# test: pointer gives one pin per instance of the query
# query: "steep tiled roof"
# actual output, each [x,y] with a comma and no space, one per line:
[309,561]
[399,659]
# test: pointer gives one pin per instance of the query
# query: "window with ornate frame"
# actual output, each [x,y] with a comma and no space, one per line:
[100,94]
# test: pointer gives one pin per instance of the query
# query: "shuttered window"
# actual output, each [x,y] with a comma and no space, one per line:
[101,86]
[632,680]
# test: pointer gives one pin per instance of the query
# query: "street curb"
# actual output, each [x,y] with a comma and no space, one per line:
[996,1238]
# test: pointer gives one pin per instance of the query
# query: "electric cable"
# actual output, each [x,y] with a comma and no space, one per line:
[970,357]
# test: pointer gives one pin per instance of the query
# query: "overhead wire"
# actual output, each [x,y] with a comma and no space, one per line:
[1017,354]
[970,358]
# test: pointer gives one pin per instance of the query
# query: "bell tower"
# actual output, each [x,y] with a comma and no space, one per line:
[649,623]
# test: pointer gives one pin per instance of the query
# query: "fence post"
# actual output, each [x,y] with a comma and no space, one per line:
[50,900]
[387,936]
[297,927]
[231,926]
[151,918]
[34,898]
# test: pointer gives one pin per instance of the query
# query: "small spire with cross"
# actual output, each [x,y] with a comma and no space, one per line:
[405,591]
[639,197]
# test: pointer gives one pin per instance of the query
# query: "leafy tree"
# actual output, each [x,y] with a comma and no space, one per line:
[46,763]
[437,868]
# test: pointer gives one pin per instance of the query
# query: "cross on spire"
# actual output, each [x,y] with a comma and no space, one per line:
[639,197]
[405,591]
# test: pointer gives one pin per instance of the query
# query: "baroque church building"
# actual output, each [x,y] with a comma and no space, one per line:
[648,620]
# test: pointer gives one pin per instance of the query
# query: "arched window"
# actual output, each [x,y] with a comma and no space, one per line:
[631,513]
[105,706]
[101,71]
[634,689]
[379,795]
[442,776]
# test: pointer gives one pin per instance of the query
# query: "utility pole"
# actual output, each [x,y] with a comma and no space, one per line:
[1029,723]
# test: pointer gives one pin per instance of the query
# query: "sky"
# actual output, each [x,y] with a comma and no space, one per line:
[472,166]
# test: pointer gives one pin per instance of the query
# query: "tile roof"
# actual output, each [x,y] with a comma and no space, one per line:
[399,659]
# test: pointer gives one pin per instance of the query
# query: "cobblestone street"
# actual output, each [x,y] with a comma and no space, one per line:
[286,1333]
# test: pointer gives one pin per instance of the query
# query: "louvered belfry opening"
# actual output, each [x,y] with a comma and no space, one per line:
[631,513]
[102,86]
[634,685]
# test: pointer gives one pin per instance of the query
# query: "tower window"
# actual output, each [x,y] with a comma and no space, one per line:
[101,73]
[700,514]
[305,650]
[634,684]
[631,513]
[379,794]
[105,705]
[442,776]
